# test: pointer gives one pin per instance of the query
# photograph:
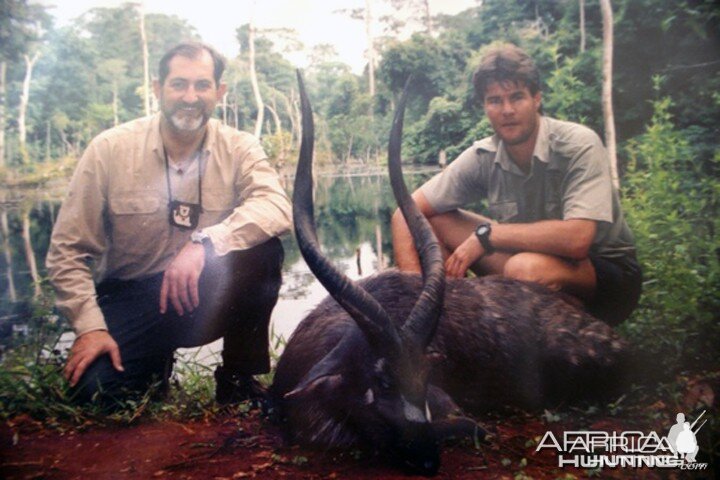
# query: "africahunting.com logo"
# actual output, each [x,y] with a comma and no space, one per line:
[628,449]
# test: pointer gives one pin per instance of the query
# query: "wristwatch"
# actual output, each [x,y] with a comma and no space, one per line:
[482,232]
[200,237]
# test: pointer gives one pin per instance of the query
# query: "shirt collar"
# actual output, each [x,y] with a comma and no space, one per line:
[542,144]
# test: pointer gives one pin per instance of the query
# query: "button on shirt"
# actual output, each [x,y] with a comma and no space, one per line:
[114,221]
[569,178]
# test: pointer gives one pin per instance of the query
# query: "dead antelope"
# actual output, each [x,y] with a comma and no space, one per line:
[386,360]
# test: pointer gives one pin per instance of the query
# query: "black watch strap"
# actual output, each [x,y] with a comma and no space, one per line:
[482,232]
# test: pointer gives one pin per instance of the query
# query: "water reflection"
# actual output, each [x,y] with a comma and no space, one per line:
[353,217]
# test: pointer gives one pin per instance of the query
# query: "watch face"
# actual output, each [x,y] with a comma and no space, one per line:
[482,230]
[198,237]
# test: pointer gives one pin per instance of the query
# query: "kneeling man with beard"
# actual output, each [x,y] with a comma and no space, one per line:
[168,238]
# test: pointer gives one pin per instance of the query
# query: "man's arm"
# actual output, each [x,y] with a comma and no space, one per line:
[562,238]
[264,213]
[406,256]
[79,236]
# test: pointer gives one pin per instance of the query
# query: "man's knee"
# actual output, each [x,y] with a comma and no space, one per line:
[261,261]
[103,384]
[531,267]
[267,267]
[99,381]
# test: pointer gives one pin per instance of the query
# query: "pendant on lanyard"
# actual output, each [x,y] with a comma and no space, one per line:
[185,215]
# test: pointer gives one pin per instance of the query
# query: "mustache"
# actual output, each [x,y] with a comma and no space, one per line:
[197,105]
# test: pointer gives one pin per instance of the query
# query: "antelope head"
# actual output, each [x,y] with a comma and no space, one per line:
[379,370]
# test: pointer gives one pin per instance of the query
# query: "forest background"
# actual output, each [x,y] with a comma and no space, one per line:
[60,86]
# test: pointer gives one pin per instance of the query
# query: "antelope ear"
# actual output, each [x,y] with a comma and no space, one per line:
[313,386]
[325,374]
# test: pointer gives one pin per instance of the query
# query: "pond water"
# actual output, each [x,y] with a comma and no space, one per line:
[353,221]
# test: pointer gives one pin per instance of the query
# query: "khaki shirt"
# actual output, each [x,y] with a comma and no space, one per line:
[114,221]
[569,179]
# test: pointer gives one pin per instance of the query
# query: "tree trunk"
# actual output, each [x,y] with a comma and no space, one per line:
[225,108]
[48,129]
[22,109]
[146,63]
[294,133]
[30,253]
[370,48]
[379,248]
[349,150]
[608,115]
[116,115]
[3,71]
[12,293]
[582,25]
[276,117]
[254,81]
[428,17]
[295,118]
[282,153]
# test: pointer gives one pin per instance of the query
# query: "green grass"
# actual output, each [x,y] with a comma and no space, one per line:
[32,385]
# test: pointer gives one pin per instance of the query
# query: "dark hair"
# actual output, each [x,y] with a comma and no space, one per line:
[191,50]
[505,63]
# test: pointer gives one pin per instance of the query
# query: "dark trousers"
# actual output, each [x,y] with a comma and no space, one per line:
[237,294]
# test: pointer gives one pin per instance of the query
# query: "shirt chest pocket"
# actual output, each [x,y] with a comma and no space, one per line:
[138,222]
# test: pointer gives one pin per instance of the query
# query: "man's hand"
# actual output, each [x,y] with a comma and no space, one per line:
[86,349]
[180,282]
[464,255]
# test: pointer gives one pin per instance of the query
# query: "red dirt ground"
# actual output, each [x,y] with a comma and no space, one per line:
[236,446]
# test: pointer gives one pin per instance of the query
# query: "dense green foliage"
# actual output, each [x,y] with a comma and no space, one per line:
[666,81]
[672,200]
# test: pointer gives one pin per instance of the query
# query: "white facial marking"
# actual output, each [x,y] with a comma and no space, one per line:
[413,413]
[369,397]
[379,365]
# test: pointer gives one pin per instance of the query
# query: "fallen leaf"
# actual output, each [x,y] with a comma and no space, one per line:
[262,466]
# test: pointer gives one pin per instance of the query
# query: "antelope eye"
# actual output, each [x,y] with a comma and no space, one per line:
[385,382]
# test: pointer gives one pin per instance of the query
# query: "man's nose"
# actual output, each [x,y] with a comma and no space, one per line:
[190,95]
[507,107]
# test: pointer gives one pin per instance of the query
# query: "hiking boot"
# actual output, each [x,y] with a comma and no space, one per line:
[233,388]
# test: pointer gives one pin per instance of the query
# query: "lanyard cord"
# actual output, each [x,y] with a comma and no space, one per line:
[198,155]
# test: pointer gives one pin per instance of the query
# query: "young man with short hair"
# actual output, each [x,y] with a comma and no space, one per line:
[555,217]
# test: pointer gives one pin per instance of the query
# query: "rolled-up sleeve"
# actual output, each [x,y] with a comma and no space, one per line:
[264,211]
[77,240]
[587,187]
[462,182]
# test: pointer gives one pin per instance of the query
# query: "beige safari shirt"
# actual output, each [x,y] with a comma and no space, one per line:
[114,221]
[569,179]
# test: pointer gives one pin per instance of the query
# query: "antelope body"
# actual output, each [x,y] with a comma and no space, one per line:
[387,361]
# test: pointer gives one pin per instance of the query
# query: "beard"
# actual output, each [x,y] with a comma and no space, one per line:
[187,121]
